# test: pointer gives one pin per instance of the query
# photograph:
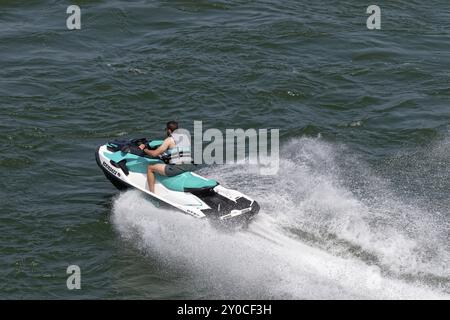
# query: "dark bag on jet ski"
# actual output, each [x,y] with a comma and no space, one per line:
[129,146]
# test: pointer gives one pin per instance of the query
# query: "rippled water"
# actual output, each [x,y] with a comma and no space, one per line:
[360,208]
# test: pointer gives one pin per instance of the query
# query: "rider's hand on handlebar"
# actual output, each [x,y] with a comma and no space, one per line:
[142,146]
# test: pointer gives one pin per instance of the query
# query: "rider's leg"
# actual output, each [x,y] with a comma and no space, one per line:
[151,170]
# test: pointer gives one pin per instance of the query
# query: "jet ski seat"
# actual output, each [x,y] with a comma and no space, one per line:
[130,160]
[187,182]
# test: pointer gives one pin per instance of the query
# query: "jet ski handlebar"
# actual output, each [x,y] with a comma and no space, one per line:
[132,146]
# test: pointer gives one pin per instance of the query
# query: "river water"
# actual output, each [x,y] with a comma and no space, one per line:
[359,208]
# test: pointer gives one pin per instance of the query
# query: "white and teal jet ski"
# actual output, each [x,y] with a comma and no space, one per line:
[125,165]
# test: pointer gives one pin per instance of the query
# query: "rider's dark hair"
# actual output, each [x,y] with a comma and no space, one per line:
[172,125]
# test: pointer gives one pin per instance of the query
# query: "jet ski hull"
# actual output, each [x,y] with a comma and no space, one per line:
[201,198]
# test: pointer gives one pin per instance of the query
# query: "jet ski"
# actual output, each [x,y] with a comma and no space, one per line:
[125,166]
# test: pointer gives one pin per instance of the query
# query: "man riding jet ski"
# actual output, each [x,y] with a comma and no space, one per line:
[178,148]
[163,170]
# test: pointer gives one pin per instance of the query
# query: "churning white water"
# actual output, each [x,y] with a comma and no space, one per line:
[328,228]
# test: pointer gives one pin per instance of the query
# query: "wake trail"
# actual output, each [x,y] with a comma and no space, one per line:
[315,237]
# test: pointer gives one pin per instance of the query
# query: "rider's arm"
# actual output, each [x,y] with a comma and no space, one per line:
[161,149]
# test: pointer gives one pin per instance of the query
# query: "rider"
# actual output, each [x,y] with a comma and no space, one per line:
[178,146]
